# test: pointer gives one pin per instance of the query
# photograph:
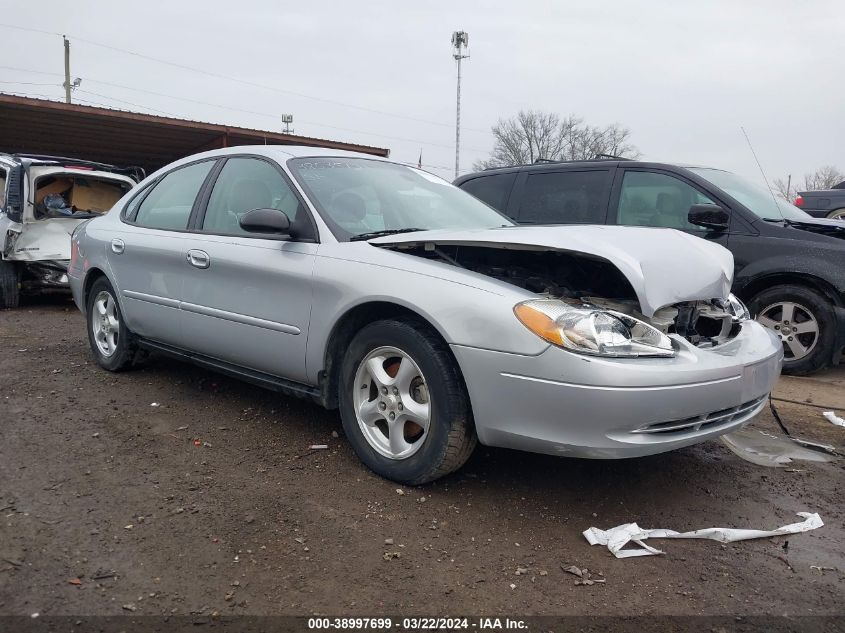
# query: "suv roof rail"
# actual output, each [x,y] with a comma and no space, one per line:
[610,157]
[136,173]
[543,161]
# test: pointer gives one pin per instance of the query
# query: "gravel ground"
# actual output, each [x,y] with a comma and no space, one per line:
[211,501]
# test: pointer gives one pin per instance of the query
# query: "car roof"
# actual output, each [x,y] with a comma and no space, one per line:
[568,164]
[279,153]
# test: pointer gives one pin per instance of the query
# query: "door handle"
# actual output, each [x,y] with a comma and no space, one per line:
[198,259]
[117,245]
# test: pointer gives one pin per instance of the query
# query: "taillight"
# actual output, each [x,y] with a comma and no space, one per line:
[74,253]
[799,202]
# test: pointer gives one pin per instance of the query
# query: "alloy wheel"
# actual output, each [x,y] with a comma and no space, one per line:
[392,403]
[105,323]
[837,215]
[796,326]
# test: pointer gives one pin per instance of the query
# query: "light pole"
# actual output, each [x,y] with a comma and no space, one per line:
[460,50]
[287,119]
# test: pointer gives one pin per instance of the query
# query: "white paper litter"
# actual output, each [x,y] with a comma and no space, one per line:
[835,419]
[617,538]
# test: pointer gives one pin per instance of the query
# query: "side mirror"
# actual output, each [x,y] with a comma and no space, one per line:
[710,216]
[265,221]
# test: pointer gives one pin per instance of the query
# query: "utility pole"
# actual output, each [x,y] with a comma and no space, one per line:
[67,83]
[460,44]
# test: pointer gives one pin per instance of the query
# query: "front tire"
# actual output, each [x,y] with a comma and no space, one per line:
[10,290]
[403,403]
[111,341]
[805,322]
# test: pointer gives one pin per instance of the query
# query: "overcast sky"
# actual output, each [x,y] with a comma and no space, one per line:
[683,76]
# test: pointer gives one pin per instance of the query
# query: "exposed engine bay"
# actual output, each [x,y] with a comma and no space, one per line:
[586,280]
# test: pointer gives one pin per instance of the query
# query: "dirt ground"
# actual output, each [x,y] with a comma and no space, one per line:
[210,501]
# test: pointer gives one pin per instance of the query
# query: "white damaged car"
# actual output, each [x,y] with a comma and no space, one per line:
[42,200]
[427,318]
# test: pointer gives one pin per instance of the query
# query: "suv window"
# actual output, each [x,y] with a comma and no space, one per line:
[565,197]
[652,199]
[494,190]
[245,184]
[168,205]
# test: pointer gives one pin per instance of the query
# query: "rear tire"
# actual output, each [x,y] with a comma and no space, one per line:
[395,374]
[112,344]
[838,214]
[794,312]
[10,285]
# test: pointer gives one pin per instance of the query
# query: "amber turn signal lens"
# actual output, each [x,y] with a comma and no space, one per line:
[541,324]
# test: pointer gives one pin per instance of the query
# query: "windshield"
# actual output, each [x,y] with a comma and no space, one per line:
[761,202]
[358,196]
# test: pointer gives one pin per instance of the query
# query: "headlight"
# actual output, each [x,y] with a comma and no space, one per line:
[737,308]
[591,330]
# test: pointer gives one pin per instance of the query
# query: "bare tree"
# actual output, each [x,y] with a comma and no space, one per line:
[533,135]
[823,178]
[785,189]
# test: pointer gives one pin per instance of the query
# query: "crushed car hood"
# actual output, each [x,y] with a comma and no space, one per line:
[664,266]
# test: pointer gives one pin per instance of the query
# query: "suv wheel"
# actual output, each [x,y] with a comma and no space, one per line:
[403,403]
[111,341]
[805,322]
[10,293]
[839,214]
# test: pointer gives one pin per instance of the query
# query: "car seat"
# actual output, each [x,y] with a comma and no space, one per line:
[348,210]
[246,194]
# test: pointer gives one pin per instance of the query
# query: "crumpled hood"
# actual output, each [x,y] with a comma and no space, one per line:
[664,266]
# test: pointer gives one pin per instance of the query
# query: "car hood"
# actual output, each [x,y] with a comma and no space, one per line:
[664,266]
[832,228]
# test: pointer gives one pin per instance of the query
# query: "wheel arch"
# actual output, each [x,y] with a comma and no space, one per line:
[92,275]
[349,324]
[770,280]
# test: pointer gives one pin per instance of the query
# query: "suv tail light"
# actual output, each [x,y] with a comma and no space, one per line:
[799,202]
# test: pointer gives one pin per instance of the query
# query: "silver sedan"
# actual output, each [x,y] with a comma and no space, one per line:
[424,315]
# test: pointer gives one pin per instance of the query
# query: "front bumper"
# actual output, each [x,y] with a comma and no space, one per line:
[567,404]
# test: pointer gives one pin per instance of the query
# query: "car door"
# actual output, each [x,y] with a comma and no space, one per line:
[146,252]
[646,197]
[247,296]
[570,196]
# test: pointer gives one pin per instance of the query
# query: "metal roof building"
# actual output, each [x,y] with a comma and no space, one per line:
[38,126]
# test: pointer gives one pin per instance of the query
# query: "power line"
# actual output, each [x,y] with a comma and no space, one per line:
[239,80]
[27,83]
[235,109]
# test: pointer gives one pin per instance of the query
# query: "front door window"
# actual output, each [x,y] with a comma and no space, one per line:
[653,199]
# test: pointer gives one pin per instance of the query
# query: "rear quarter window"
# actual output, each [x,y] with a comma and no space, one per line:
[494,190]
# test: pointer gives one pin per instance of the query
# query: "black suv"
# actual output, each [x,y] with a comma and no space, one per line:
[788,267]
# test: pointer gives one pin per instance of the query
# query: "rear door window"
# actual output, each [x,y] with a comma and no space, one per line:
[168,206]
[565,197]
[494,190]
[655,199]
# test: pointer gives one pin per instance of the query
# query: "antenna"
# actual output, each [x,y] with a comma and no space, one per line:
[760,167]
[460,44]
[287,119]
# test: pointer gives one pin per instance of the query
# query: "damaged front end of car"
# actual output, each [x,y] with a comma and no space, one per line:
[588,304]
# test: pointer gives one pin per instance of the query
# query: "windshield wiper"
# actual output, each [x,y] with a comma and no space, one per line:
[373,234]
